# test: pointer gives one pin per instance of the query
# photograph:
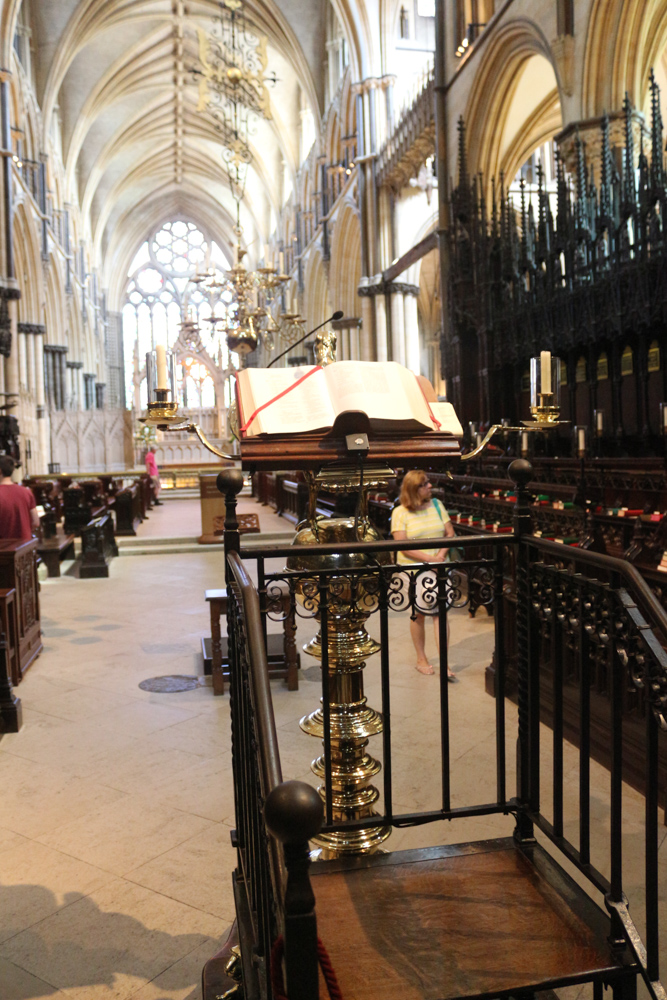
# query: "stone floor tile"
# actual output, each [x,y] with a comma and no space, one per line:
[111,942]
[197,872]
[168,985]
[142,766]
[17,984]
[44,798]
[37,881]
[123,835]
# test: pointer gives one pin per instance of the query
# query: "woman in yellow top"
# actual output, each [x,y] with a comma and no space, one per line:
[420,516]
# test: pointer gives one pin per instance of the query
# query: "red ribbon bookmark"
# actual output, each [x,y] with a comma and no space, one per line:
[317,368]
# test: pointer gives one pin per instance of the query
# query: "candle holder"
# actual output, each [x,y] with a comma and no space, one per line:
[161,382]
[545,388]
[579,434]
[162,404]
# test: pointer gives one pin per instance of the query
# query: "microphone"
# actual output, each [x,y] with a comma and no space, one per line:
[336,316]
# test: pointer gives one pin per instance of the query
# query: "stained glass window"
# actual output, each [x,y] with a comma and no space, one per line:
[164,289]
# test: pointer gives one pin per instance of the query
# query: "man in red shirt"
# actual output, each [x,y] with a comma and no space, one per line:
[18,514]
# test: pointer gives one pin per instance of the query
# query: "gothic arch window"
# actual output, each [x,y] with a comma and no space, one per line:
[164,288]
[602,367]
[580,370]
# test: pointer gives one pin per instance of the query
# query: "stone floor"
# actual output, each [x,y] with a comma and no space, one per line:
[115,857]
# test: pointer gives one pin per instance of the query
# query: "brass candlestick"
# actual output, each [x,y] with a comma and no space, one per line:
[351,721]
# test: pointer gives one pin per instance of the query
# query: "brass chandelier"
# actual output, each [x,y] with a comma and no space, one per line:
[233,89]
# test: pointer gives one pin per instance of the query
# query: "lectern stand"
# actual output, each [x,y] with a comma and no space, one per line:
[349,454]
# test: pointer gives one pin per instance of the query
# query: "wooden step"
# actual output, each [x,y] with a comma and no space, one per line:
[484,919]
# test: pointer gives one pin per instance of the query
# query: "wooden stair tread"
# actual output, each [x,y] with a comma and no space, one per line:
[475,920]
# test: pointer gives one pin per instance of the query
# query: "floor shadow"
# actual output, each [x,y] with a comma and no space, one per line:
[87,946]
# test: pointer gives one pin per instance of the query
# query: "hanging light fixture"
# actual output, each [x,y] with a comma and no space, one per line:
[233,90]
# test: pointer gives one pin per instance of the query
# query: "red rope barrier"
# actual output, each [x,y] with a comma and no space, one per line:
[278,983]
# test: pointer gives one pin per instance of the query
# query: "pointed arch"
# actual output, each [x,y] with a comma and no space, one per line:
[493,123]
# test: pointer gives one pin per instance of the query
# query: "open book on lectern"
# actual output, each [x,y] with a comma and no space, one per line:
[310,398]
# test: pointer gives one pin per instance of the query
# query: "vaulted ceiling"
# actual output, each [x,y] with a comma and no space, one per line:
[117,76]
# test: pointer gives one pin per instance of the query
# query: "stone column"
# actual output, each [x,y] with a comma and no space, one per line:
[397,326]
[354,344]
[32,375]
[412,346]
[380,303]
[365,351]
[12,365]
[40,399]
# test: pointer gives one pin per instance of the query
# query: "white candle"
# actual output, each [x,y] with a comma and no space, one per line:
[545,365]
[599,416]
[236,255]
[581,439]
[281,263]
[524,442]
[267,260]
[161,364]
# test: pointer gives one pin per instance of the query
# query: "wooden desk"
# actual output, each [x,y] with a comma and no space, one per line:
[18,571]
[283,659]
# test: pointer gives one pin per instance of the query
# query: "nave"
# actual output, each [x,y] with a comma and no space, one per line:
[115,854]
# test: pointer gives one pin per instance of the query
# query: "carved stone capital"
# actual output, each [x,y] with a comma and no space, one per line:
[74,364]
[7,292]
[37,329]
[370,287]
[403,287]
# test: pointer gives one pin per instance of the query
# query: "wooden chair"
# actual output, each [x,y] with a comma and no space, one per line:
[283,660]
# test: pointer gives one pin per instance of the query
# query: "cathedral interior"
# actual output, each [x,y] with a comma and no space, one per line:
[465,188]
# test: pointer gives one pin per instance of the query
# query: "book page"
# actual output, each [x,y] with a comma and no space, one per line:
[305,408]
[450,423]
[384,390]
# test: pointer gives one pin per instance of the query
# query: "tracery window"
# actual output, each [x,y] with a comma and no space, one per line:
[164,288]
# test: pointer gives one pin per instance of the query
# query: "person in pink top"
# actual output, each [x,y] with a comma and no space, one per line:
[153,472]
[18,513]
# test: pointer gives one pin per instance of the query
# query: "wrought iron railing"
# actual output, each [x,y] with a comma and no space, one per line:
[600,608]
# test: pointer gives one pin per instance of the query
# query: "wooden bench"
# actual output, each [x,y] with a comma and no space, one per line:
[128,510]
[53,550]
[98,547]
[283,659]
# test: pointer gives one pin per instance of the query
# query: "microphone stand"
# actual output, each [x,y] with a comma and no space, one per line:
[337,315]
